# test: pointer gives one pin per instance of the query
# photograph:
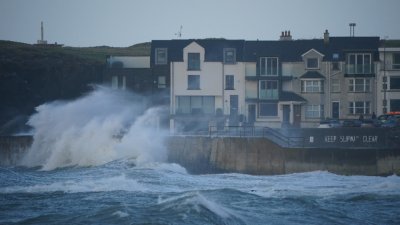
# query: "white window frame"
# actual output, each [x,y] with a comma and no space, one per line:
[357,68]
[312,86]
[365,86]
[314,111]
[354,107]
[268,66]
[158,60]
[227,51]
[312,68]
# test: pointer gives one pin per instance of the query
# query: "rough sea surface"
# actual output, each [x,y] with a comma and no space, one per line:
[159,193]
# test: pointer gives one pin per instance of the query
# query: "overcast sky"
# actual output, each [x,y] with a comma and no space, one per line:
[122,23]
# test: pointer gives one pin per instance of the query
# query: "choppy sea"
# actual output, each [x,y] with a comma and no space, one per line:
[159,193]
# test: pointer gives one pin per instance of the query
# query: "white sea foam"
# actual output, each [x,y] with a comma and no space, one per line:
[101,127]
[117,183]
[120,214]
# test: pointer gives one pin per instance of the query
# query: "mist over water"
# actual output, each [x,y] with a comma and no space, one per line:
[100,127]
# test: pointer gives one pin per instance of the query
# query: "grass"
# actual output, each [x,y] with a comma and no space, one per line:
[98,54]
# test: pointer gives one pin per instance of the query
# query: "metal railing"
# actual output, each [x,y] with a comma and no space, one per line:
[252,131]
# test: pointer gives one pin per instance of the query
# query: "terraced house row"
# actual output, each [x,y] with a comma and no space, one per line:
[281,83]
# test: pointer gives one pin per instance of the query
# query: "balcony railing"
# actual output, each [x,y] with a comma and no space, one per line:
[390,66]
[359,69]
[269,94]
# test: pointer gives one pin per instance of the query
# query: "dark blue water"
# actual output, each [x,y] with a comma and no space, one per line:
[121,193]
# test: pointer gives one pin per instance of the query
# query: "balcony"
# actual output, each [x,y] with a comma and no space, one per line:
[390,66]
[365,69]
[269,94]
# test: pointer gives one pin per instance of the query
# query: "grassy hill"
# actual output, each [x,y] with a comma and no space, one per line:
[31,75]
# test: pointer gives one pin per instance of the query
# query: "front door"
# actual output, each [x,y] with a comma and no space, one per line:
[286,116]
[234,103]
[251,114]
[297,115]
[335,110]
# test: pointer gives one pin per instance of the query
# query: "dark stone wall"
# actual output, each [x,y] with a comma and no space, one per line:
[263,157]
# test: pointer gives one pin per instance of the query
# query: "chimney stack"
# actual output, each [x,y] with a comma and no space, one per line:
[285,36]
[326,37]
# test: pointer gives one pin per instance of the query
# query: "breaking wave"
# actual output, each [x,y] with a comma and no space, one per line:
[100,127]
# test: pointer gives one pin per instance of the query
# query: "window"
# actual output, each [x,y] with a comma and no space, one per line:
[359,107]
[118,82]
[161,56]
[114,82]
[312,63]
[359,85]
[229,55]
[268,109]
[229,82]
[162,82]
[359,64]
[269,66]
[394,83]
[195,104]
[268,89]
[193,61]
[312,86]
[396,61]
[193,82]
[335,85]
[335,66]
[314,111]
[395,105]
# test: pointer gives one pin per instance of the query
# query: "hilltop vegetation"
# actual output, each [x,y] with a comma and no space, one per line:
[32,75]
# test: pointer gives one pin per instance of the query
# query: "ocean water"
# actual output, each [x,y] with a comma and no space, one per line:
[101,159]
[120,192]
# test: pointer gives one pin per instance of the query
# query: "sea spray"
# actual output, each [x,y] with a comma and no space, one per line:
[100,127]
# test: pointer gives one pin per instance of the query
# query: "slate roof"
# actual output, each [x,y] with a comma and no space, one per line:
[213,48]
[290,96]
[287,51]
[291,51]
[312,74]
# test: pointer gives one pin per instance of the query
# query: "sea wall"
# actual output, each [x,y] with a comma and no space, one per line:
[251,155]
[262,156]
[12,148]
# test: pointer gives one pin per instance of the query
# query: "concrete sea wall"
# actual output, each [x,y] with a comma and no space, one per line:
[263,157]
[252,155]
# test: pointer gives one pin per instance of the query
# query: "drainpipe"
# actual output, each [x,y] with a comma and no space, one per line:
[172,99]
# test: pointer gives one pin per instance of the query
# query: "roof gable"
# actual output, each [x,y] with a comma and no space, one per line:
[312,51]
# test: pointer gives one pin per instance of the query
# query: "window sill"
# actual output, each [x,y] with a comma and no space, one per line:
[193,69]
[194,89]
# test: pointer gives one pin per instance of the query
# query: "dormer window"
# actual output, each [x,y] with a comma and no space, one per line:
[161,56]
[229,55]
[269,66]
[312,63]
[193,61]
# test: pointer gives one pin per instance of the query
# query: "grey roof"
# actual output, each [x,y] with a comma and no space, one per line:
[312,74]
[290,96]
[287,51]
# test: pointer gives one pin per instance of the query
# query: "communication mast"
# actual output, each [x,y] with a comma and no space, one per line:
[41,41]
[179,34]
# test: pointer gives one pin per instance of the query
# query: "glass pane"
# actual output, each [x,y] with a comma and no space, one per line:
[209,105]
[183,104]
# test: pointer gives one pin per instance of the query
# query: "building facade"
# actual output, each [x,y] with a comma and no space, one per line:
[284,83]
[388,79]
